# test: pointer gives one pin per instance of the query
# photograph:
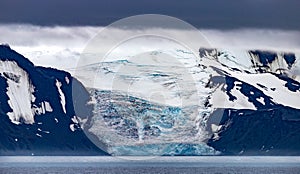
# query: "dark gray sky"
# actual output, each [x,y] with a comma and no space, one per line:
[219,14]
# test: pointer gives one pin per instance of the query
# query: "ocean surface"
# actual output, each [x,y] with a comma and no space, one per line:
[157,165]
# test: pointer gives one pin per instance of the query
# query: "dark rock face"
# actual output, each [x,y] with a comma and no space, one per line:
[55,131]
[264,57]
[208,52]
[264,132]
[262,61]
[272,129]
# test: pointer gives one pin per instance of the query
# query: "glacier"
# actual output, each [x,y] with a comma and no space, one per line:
[221,88]
[123,123]
[149,100]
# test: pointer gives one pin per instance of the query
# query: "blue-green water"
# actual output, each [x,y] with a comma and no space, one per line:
[205,165]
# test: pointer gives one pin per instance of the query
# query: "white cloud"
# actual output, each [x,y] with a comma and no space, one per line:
[57,47]
[60,47]
[276,40]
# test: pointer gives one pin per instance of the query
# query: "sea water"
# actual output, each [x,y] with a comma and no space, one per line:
[157,165]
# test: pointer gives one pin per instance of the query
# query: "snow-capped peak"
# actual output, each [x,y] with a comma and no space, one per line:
[249,79]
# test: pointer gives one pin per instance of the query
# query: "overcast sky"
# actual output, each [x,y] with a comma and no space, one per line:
[217,14]
[55,32]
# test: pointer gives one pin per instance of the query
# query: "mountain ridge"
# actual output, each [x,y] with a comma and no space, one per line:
[271,126]
[249,107]
[48,127]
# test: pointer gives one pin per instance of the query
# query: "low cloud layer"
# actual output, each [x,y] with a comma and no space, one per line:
[61,47]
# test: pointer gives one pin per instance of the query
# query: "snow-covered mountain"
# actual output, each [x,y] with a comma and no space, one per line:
[37,110]
[246,105]
[273,74]
[164,102]
[260,95]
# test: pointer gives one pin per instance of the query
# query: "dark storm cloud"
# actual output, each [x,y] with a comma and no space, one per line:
[278,14]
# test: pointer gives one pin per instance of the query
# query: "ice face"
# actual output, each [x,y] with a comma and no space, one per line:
[122,122]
